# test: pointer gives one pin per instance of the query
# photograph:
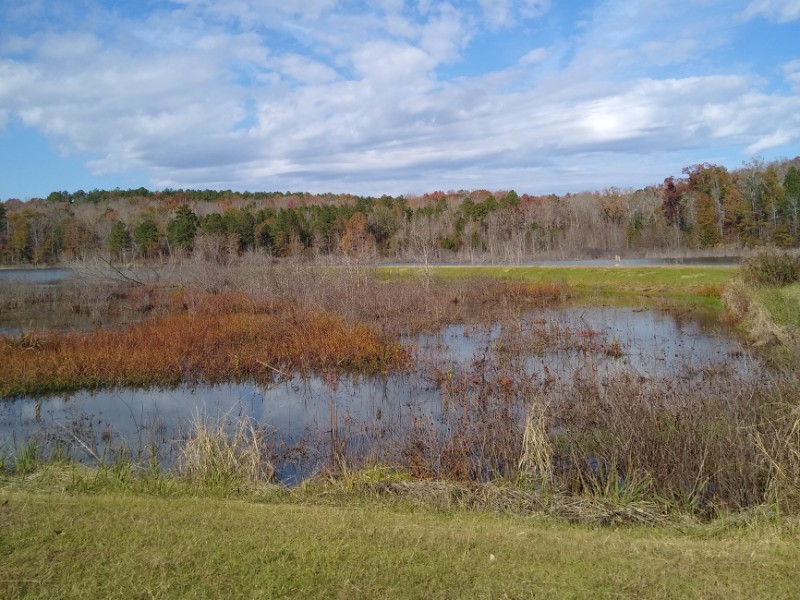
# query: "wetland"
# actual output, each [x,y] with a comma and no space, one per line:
[538,375]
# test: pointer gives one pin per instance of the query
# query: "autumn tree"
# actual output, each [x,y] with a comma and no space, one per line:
[78,238]
[19,236]
[710,186]
[357,240]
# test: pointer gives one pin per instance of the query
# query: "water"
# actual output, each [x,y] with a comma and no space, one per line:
[310,415]
[652,343]
[41,276]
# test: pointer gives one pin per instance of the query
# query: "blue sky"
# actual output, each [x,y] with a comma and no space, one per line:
[392,96]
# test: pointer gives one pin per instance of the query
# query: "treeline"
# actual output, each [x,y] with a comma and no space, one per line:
[708,208]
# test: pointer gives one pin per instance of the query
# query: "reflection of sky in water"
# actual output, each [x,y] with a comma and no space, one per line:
[655,344]
[34,275]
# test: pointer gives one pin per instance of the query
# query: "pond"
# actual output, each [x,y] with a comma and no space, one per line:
[307,417]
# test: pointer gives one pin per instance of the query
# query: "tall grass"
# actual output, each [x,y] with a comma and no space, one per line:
[771,268]
[226,451]
[536,462]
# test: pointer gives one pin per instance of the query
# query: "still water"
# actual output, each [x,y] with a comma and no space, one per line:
[45,276]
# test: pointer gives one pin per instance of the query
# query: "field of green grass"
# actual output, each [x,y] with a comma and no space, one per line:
[701,285]
[55,544]
[782,303]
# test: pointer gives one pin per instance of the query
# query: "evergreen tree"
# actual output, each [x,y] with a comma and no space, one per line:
[119,240]
[146,236]
[183,227]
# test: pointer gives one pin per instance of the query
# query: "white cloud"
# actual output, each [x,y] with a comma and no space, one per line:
[791,71]
[393,64]
[444,34]
[505,13]
[306,70]
[536,55]
[663,53]
[773,140]
[261,11]
[778,11]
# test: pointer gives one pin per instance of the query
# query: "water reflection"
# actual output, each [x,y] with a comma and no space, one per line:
[41,276]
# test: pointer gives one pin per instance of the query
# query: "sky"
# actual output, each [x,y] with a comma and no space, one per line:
[391,96]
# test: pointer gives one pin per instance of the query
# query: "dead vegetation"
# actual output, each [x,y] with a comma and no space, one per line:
[223,338]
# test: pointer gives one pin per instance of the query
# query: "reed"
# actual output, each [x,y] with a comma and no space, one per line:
[226,451]
[207,346]
[536,463]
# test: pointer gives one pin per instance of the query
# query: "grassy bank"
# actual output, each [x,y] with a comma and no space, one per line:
[700,285]
[783,304]
[130,545]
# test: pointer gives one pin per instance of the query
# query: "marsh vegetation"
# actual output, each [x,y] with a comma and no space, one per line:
[627,386]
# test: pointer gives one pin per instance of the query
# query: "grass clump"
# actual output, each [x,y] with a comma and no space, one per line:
[536,462]
[771,269]
[226,452]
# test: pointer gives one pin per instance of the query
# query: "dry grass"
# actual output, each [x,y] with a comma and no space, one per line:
[209,345]
[226,451]
[536,462]
[778,441]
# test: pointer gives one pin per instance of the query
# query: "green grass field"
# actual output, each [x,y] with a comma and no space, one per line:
[129,545]
[701,285]
[783,304]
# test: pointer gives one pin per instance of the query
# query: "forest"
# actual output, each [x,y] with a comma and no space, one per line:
[708,208]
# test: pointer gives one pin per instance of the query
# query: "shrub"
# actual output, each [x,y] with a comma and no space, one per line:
[775,269]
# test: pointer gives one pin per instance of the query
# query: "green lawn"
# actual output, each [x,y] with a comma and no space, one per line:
[129,545]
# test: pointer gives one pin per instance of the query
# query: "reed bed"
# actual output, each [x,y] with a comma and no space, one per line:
[653,446]
[193,347]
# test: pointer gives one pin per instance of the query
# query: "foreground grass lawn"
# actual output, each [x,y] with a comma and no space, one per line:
[55,545]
